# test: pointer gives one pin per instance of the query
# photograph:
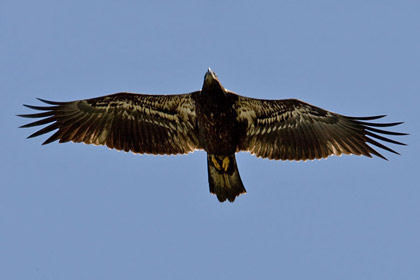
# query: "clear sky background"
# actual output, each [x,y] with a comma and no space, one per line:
[73,211]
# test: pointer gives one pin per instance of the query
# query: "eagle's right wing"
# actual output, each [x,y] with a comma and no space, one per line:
[152,124]
[294,130]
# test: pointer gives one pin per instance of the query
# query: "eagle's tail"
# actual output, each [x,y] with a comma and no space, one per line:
[224,178]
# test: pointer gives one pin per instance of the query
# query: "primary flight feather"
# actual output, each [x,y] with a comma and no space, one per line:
[215,120]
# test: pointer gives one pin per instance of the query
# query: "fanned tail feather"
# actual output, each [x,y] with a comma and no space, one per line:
[224,178]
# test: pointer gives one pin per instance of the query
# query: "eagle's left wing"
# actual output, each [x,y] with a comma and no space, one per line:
[153,124]
[294,130]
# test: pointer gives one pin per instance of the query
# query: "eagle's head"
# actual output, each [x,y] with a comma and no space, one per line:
[211,83]
[210,75]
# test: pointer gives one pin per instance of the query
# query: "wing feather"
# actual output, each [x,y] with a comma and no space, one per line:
[294,130]
[140,123]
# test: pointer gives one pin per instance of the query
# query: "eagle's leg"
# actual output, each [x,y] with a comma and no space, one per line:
[224,178]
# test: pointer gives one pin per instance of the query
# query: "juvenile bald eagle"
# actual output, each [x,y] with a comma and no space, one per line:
[215,120]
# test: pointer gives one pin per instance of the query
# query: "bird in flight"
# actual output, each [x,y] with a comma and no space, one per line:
[215,120]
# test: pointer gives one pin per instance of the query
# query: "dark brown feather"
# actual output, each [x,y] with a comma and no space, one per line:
[294,130]
[155,124]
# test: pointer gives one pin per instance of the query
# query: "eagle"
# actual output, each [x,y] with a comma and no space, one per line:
[215,120]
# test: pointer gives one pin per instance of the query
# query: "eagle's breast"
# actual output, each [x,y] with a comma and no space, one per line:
[216,121]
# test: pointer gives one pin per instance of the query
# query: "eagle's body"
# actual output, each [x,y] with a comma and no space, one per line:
[218,133]
[215,120]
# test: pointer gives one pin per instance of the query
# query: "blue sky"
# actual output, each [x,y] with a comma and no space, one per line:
[73,211]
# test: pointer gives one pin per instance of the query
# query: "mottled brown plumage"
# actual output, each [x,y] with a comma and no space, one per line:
[215,120]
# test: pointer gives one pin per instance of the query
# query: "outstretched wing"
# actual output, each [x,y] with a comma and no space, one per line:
[153,124]
[294,130]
